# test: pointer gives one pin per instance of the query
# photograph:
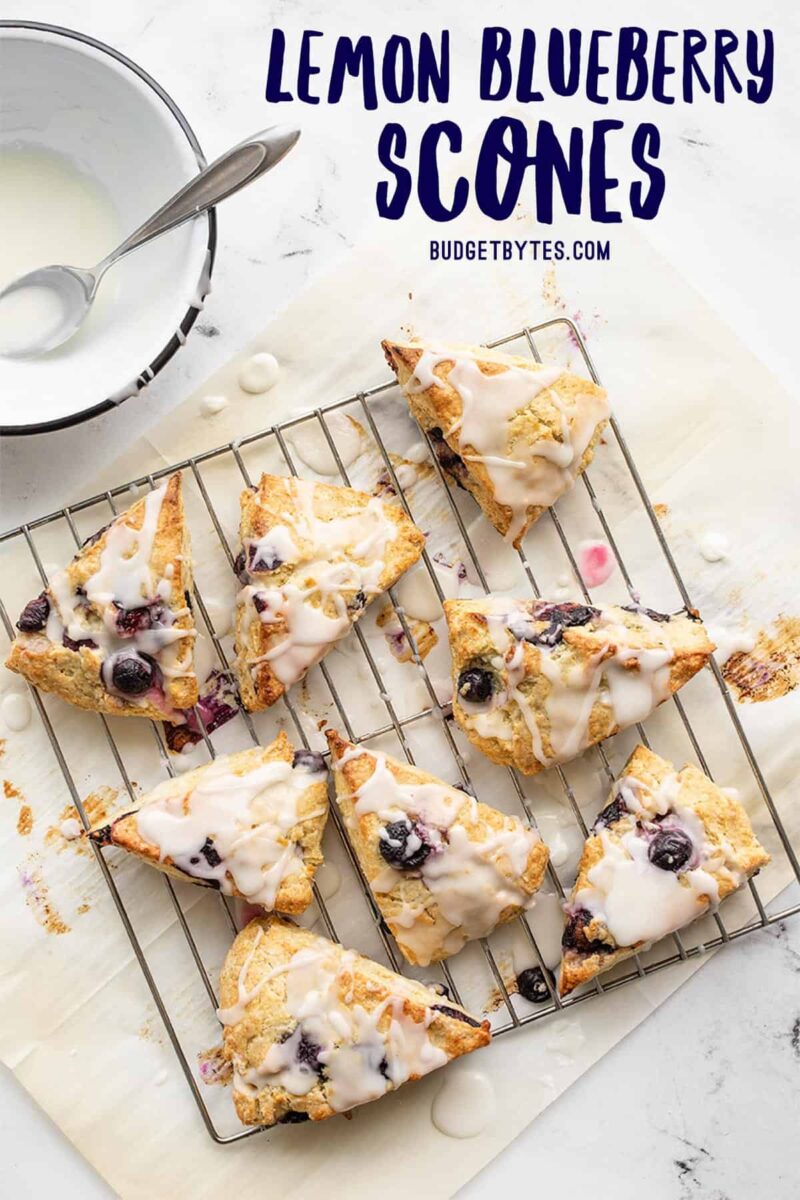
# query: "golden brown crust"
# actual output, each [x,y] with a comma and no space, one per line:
[75,674]
[440,408]
[275,503]
[266,1020]
[472,644]
[431,937]
[726,827]
[295,892]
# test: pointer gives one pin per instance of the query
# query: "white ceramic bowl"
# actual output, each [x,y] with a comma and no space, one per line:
[64,92]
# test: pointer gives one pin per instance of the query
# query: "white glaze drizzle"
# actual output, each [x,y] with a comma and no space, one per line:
[344,554]
[629,680]
[250,817]
[124,580]
[362,1053]
[471,881]
[524,474]
[637,900]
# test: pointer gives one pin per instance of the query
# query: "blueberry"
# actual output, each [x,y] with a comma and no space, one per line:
[239,567]
[457,1015]
[263,559]
[358,602]
[133,674]
[188,601]
[612,812]
[532,985]
[575,937]
[647,612]
[475,685]
[308,760]
[209,853]
[402,844]
[567,614]
[34,615]
[306,1051]
[448,459]
[260,603]
[293,1118]
[383,1068]
[670,849]
[95,537]
[130,621]
[71,644]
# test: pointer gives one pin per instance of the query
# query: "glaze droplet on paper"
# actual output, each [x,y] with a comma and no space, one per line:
[310,444]
[713,546]
[211,405]
[465,1103]
[70,829]
[595,562]
[16,711]
[259,373]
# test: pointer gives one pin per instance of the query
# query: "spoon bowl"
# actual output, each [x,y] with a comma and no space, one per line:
[42,309]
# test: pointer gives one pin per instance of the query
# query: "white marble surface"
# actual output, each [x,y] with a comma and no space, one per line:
[702,1099]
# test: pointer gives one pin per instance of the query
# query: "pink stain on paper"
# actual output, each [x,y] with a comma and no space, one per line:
[596,563]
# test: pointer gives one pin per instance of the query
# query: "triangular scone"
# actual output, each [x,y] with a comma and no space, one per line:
[249,824]
[444,869]
[113,632]
[312,1029]
[515,433]
[536,683]
[668,847]
[313,557]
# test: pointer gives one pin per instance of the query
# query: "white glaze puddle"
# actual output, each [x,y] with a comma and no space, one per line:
[465,1103]
[71,829]
[546,920]
[418,596]
[29,314]
[565,1040]
[730,641]
[328,880]
[259,373]
[16,711]
[50,212]
[310,444]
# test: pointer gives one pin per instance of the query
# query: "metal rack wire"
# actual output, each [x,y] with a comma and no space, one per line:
[397,723]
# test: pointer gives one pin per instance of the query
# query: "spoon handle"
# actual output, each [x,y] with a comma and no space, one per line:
[232,171]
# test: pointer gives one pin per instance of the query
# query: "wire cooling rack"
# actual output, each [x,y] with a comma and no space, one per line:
[487,982]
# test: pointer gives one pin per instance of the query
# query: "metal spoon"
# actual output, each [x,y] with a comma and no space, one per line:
[75,289]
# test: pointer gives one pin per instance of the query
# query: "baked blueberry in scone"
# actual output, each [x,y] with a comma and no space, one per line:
[312,1029]
[113,631]
[536,683]
[513,432]
[443,868]
[313,556]
[667,848]
[249,824]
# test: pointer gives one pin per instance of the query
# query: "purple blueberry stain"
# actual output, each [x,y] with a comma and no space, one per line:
[612,812]
[73,644]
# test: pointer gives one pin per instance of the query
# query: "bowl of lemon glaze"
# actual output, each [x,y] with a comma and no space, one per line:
[90,146]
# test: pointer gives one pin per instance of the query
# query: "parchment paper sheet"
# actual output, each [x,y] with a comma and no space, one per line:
[712,434]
